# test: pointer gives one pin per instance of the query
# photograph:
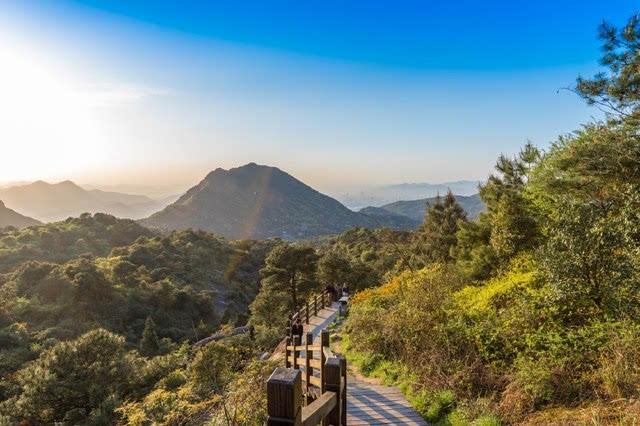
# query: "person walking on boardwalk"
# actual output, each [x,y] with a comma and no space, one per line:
[330,288]
[345,291]
[297,330]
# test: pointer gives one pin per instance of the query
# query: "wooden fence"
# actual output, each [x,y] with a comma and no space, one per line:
[311,307]
[312,387]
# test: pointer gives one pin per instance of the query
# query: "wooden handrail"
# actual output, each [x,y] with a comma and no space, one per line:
[327,352]
[310,306]
[303,347]
[313,413]
[324,396]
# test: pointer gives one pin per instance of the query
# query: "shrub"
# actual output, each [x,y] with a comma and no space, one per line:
[439,405]
[618,372]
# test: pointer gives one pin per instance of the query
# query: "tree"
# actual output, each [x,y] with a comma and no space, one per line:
[617,92]
[290,269]
[474,255]
[149,345]
[590,261]
[599,163]
[509,225]
[213,367]
[334,268]
[587,189]
[73,380]
[437,235]
[270,312]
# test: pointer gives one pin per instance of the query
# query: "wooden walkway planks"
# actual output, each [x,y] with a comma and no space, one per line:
[369,404]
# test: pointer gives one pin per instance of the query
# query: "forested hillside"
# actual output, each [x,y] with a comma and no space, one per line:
[528,314]
[61,241]
[92,289]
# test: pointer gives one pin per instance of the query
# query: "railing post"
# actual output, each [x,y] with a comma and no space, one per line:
[287,353]
[308,356]
[307,310]
[343,394]
[284,396]
[315,305]
[296,353]
[332,379]
[324,338]
[324,342]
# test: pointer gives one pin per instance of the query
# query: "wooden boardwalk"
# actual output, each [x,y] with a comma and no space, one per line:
[369,404]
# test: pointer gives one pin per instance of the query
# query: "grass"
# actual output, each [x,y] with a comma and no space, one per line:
[438,407]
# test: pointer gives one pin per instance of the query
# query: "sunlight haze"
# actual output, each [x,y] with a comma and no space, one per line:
[91,94]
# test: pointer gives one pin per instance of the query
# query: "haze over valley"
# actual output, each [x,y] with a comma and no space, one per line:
[251,201]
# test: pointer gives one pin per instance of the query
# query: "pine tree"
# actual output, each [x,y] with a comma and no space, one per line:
[509,226]
[617,91]
[291,269]
[334,268]
[149,343]
[437,235]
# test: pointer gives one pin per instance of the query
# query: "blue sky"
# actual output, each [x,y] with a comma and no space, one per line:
[341,94]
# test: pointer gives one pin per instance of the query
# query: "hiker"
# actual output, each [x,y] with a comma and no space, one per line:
[297,330]
[345,291]
[329,288]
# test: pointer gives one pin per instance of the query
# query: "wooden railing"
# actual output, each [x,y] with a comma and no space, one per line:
[315,393]
[311,307]
[312,387]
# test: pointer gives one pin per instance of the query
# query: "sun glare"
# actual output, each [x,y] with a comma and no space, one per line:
[47,126]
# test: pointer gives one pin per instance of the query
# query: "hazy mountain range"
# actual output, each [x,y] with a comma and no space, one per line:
[255,201]
[53,202]
[252,201]
[415,209]
[10,217]
[383,195]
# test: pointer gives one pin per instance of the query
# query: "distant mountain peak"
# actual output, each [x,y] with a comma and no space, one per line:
[54,202]
[259,201]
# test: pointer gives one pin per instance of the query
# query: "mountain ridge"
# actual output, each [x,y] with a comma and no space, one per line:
[415,209]
[54,202]
[9,217]
[258,201]
[387,194]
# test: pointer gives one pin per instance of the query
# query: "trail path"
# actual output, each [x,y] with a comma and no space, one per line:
[373,404]
[368,403]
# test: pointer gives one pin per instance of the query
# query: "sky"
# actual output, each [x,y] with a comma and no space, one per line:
[341,94]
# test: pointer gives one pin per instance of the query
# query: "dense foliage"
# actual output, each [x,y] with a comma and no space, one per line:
[372,255]
[536,311]
[62,241]
[155,292]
